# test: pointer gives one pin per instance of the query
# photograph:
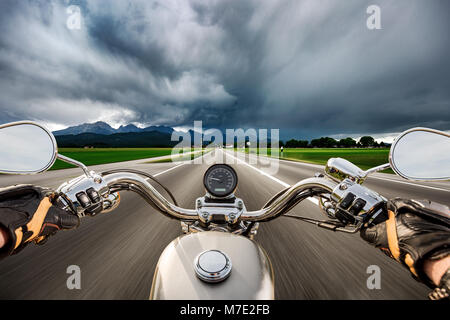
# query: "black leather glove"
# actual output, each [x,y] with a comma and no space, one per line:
[442,291]
[414,232]
[28,215]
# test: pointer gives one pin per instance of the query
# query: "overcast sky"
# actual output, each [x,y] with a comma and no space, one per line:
[311,68]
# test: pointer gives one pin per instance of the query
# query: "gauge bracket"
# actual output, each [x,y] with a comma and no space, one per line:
[209,210]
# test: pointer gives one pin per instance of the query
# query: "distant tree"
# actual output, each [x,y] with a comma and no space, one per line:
[293,143]
[302,143]
[347,142]
[367,141]
[324,142]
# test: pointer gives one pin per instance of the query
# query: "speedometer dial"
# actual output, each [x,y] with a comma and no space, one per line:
[220,180]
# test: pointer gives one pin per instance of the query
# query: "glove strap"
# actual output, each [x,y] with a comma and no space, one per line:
[32,229]
[391,230]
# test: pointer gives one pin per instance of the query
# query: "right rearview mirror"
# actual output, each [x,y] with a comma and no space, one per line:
[26,148]
[421,154]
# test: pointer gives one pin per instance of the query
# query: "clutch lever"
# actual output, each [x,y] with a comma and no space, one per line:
[328,224]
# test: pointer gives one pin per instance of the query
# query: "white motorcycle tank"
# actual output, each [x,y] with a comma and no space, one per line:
[176,276]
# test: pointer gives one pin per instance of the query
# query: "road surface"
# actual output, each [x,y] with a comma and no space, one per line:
[118,252]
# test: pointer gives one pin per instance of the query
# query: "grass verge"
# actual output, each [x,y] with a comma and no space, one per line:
[96,156]
[363,158]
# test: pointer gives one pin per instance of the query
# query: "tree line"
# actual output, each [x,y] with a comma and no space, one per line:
[327,142]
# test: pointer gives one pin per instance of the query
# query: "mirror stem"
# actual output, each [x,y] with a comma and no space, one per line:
[378,168]
[76,163]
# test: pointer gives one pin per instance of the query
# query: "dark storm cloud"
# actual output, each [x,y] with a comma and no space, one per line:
[308,67]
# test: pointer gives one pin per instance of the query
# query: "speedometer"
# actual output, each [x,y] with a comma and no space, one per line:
[220,180]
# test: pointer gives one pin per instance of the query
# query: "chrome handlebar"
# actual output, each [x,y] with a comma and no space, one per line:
[347,201]
[318,184]
[145,189]
[134,182]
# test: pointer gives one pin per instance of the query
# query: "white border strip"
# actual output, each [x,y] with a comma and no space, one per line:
[170,169]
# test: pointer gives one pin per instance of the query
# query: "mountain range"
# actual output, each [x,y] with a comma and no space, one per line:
[102,135]
[101,127]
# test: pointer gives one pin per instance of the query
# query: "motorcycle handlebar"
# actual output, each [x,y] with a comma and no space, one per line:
[139,184]
[278,206]
[289,198]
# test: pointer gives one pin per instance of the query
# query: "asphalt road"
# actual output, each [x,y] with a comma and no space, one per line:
[118,252]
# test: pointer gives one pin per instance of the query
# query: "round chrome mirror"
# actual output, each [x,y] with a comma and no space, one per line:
[26,148]
[421,154]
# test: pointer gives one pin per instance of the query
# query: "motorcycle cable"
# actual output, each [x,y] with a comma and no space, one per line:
[268,203]
[275,197]
[145,174]
[292,203]
[331,225]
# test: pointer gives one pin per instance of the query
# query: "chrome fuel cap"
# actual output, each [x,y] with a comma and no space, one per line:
[212,266]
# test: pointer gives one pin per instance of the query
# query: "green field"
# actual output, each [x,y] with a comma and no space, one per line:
[107,155]
[363,158]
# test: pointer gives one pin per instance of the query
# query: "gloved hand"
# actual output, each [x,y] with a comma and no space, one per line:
[415,231]
[28,215]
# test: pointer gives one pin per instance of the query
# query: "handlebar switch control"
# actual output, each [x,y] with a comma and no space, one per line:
[83,199]
[93,210]
[355,203]
[93,195]
[358,206]
[347,201]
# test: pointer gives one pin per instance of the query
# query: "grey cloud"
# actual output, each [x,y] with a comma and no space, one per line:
[310,68]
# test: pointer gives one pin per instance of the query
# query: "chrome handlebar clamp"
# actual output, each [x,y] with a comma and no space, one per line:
[340,169]
[219,210]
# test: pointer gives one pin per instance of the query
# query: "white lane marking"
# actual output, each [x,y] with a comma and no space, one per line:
[178,165]
[301,163]
[284,184]
[410,183]
[165,171]
[204,154]
[370,177]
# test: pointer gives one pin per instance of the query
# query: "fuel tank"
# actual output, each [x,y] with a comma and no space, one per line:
[175,278]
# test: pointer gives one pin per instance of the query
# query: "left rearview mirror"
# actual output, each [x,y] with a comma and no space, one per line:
[26,148]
